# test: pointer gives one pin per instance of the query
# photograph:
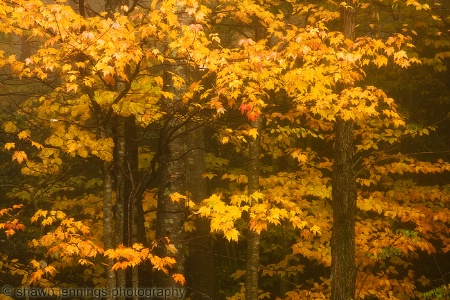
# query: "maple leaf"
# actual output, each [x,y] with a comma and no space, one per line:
[24,135]
[381,60]
[10,127]
[244,108]
[177,197]
[71,87]
[10,232]
[171,248]
[253,132]
[253,116]
[246,42]
[9,146]
[20,156]
[257,196]
[204,211]
[179,278]
[196,27]
[37,145]
[316,230]
[232,234]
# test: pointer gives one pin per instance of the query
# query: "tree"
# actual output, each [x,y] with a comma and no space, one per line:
[253,239]
[200,263]
[112,108]
[343,268]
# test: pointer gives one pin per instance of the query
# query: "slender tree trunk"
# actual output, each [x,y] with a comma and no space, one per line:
[170,216]
[134,223]
[253,239]
[108,222]
[201,273]
[134,183]
[113,223]
[119,180]
[343,268]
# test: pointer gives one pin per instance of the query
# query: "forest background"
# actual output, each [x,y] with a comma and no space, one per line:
[241,149]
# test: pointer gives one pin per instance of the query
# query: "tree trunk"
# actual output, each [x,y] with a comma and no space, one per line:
[134,216]
[119,180]
[201,273]
[253,239]
[113,223]
[170,216]
[108,223]
[343,268]
[134,184]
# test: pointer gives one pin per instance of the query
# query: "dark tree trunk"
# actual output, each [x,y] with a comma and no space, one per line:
[343,268]
[134,181]
[130,227]
[119,180]
[253,239]
[200,268]
[171,215]
[108,222]
[134,231]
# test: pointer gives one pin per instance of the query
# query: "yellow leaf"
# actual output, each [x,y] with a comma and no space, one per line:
[189,226]
[167,95]
[159,81]
[71,87]
[84,262]
[10,127]
[20,156]
[232,234]
[253,133]
[316,230]
[177,197]
[23,135]
[300,156]
[172,248]
[381,60]
[206,175]
[204,211]
[238,274]
[9,146]
[400,54]
[257,196]
[37,145]
[179,278]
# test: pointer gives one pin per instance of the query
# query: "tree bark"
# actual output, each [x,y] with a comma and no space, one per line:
[134,220]
[343,268]
[201,274]
[253,239]
[170,216]
[108,223]
[119,180]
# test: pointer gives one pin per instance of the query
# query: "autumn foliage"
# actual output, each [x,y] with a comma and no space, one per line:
[70,81]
